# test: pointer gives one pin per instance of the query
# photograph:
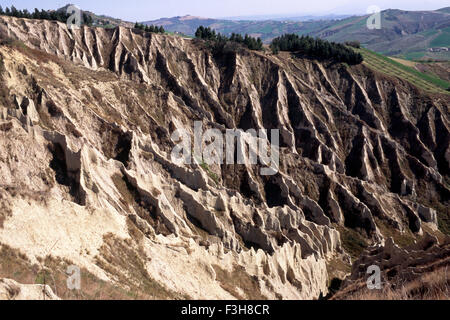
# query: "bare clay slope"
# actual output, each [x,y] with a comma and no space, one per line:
[86,171]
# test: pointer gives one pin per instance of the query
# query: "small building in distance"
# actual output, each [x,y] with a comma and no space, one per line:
[439,49]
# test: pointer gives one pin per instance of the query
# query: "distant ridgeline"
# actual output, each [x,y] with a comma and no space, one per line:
[55,15]
[219,40]
[317,47]
[150,28]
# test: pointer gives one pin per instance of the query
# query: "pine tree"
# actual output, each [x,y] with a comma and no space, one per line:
[14,11]
[1,10]
[58,16]
[90,20]
[275,49]
[26,14]
[200,31]
[259,44]
[42,14]
[36,14]
[53,16]
[85,18]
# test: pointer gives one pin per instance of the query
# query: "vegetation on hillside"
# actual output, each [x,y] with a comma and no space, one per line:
[221,40]
[316,47]
[150,28]
[388,66]
[433,285]
[58,15]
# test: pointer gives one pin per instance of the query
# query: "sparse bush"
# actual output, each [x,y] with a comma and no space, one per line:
[275,50]
[96,94]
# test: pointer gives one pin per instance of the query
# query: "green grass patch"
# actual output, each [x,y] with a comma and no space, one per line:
[444,223]
[107,26]
[403,240]
[446,9]
[386,65]
[211,174]
[429,33]
[417,55]
[353,242]
[443,39]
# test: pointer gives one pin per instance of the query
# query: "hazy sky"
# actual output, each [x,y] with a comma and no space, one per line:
[140,10]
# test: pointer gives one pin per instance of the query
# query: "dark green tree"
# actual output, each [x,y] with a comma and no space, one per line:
[53,15]
[87,19]
[259,44]
[205,33]
[36,14]
[45,15]
[14,12]
[26,14]
[199,32]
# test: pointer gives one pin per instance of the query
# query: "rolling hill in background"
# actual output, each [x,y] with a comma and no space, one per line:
[406,34]
[409,34]
[265,29]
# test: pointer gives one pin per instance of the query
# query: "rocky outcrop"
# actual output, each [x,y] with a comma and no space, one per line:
[85,125]
[11,290]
